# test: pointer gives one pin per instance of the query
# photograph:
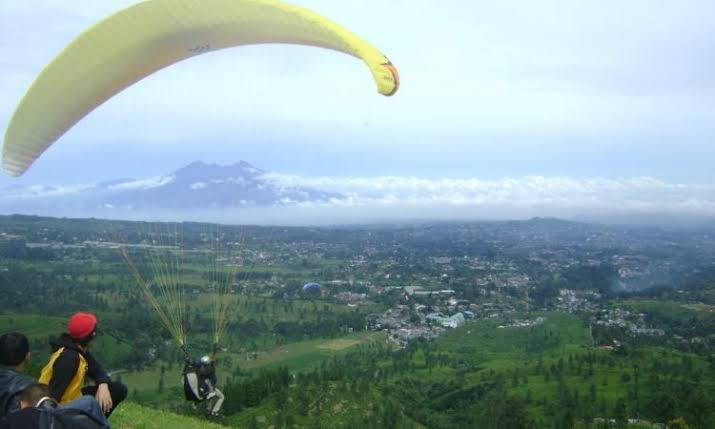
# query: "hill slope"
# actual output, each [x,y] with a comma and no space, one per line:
[133,416]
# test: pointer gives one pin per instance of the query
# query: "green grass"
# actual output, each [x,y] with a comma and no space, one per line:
[483,343]
[663,310]
[298,356]
[305,355]
[133,416]
[34,326]
[339,409]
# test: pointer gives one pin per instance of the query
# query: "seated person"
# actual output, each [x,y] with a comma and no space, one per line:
[39,411]
[34,402]
[14,355]
[71,362]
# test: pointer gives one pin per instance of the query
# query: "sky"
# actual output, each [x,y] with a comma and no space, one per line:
[537,97]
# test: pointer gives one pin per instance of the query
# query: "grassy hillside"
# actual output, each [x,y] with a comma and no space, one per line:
[35,326]
[133,416]
[298,356]
[550,368]
[489,373]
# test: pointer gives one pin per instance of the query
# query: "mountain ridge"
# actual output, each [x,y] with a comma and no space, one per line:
[197,185]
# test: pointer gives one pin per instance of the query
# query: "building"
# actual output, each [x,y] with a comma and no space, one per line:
[447,322]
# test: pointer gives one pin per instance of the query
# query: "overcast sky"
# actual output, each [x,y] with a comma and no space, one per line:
[490,90]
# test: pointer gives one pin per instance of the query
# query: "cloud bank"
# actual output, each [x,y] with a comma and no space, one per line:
[638,194]
[370,199]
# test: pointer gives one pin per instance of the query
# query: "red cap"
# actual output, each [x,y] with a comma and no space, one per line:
[81,325]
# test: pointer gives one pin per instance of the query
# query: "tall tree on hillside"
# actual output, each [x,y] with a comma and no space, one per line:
[620,412]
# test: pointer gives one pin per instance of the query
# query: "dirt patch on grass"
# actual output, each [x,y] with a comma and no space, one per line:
[339,344]
[700,307]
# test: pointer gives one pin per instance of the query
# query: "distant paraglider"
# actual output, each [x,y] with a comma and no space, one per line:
[311,287]
[312,290]
[146,37]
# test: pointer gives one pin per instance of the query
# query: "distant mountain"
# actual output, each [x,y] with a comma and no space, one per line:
[200,185]
[196,186]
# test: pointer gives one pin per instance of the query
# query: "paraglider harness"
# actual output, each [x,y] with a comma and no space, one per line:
[197,378]
[195,387]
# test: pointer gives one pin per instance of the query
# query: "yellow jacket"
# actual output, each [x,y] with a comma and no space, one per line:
[68,368]
[74,388]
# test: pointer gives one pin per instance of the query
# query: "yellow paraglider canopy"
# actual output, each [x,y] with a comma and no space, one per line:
[138,41]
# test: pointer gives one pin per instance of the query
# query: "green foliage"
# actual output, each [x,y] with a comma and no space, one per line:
[678,423]
[251,392]
[291,361]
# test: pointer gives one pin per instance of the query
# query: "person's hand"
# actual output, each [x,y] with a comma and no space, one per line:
[104,398]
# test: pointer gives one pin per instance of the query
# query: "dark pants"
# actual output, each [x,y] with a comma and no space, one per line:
[117,391]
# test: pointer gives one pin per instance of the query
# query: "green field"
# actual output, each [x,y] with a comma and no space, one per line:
[668,310]
[298,356]
[34,326]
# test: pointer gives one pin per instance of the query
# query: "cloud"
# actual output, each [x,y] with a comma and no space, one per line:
[240,181]
[500,88]
[152,182]
[532,192]
[41,191]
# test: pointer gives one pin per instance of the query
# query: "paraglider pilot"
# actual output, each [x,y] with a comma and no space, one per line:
[201,384]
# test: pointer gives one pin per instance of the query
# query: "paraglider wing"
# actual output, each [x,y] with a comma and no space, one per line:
[311,286]
[146,37]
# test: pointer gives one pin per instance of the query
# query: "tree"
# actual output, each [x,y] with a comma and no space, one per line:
[663,405]
[514,414]
[678,423]
[303,401]
[504,412]
[279,419]
[252,423]
[699,408]
[620,412]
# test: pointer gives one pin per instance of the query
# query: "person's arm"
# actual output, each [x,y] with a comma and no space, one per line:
[97,373]
[63,371]
[95,370]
